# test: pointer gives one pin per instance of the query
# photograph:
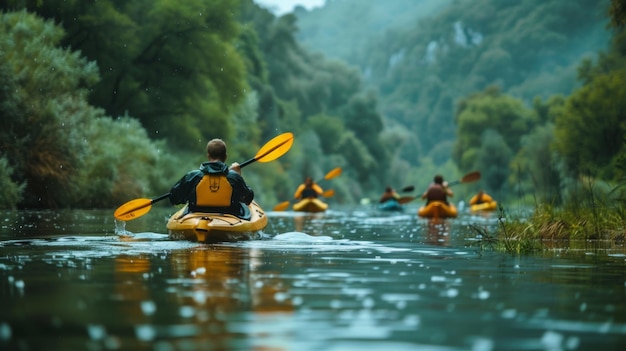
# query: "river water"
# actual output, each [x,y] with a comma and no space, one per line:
[353,278]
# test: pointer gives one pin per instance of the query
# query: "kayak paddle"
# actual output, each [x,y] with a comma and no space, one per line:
[468,178]
[272,150]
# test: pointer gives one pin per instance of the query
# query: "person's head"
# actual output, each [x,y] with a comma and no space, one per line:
[216,150]
[388,189]
[308,181]
[480,192]
[438,179]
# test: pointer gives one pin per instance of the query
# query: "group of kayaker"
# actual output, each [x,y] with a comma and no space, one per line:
[437,193]
[220,205]
[215,187]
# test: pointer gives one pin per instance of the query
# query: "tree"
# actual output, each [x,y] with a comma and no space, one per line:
[617,12]
[37,134]
[492,159]
[591,133]
[56,149]
[171,64]
[493,110]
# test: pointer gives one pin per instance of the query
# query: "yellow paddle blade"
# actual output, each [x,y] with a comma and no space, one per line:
[335,172]
[275,148]
[281,206]
[133,209]
[328,193]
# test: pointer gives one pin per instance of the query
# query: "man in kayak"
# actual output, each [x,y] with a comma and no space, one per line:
[388,195]
[480,197]
[308,190]
[214,187]
[437,191]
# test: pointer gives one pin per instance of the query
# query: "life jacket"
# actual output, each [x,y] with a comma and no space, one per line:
[306,192]
[214,190]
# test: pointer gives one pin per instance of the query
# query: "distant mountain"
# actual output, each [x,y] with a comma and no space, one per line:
[423,56]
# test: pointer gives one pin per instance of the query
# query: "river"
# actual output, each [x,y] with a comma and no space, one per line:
[352,278]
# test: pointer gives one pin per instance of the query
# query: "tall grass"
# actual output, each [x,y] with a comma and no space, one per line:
[593,218]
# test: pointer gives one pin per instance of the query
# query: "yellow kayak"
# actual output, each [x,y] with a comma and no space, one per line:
[437,209]
[310,205]
[216,227]
[485,206]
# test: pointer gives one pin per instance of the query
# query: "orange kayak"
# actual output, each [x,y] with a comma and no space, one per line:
[485,206]
[310,205]
[437,209]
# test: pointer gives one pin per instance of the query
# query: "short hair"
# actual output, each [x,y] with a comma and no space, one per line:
[438,179]
[216,149]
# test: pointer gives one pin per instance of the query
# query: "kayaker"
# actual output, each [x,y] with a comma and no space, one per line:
[437,191]
[214,187]
[388,195]
[308,190]
[480,197]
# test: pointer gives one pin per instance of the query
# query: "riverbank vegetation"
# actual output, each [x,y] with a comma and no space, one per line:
[106,101]
[596,222]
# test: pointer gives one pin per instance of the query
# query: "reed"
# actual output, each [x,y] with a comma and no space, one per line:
[550,228]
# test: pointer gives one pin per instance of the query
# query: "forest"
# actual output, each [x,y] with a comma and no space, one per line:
[105,101]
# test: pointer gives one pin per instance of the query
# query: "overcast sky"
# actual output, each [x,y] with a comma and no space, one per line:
[280,7]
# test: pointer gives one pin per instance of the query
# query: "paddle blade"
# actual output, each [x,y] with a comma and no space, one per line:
[329,193]
[335,172]
[409,188]
[406,199]
[281,206]
[275,148]
[471,177]
[133,209]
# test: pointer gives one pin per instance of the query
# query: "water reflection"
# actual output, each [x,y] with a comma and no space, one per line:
[351,279]
[438,232]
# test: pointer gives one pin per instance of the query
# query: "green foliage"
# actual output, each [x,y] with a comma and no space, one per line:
[60,151]
[536,168]
[617,13]
[577,228]
[10,191]
[493,160]
[304,92]
[40,134]
[330,31]
[115,170]
[171,64]
[591,133]
[182,73]
[528,48]
[329,129]
[360,159]
[489,110]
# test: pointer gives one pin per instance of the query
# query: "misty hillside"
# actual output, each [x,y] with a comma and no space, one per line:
[343,28]
[423,58]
